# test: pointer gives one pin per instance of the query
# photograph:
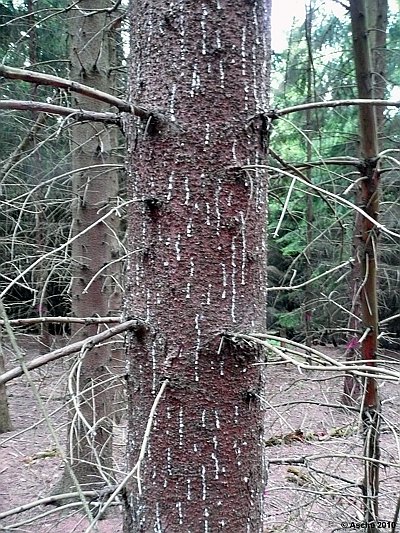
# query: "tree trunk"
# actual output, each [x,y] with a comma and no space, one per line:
[376,17]
[200,223]
[94,193]
[5,418]
[308,292]
[367,253]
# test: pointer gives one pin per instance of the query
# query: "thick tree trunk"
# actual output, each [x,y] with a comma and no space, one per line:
[94,193]
[200,223]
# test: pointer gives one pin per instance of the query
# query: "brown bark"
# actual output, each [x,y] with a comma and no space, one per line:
[376,16]
[201,222]
[94,192]
[366,251]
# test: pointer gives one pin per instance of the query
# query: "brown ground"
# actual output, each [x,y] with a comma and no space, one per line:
[299,497]
[322,494]
[29,468]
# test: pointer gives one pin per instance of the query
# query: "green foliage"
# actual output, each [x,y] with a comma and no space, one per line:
[330,133]
[30,229]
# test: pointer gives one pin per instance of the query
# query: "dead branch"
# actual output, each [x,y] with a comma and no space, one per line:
[276,113]
[88,343]
[77,114]
[55,81]
[338,198]
[62,320]
[136,468]
[44,501]
[294,287]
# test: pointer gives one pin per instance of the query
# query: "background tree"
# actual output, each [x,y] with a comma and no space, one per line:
[96,285]
[28,41]
[367,253]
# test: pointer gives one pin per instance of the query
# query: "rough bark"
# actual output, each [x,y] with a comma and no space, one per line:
[94,192]
[200,223]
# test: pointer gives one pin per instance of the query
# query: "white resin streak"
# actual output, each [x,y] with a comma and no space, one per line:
[182,34]
[195,80]
[207,135]
[217,211]
[169,465]
[148,304]
[189,228]
[170,185]
[206,514]
[217,421]
[224,281]
[233,261]
[208,209]
[214,456]
[234,153]
[221,74]
[172,103]
[244,50]
[203,481]
[196,355]
[181,426]
[178,248]
[254,61]
[153,357]
[158,521]
[244,251]
[187,191]
[203,25]
[179,507]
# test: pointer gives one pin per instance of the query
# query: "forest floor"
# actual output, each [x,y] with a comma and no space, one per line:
[316,489]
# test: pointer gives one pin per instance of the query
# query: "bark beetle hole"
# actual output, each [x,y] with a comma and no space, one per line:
[153,205]
[250,397]
[153,125]
[140,331]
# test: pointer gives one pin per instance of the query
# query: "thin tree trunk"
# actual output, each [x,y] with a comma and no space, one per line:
[41,273]
[308,293]
[94,192]
[5,418]
[367,252]
[200,222]
[376,16]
